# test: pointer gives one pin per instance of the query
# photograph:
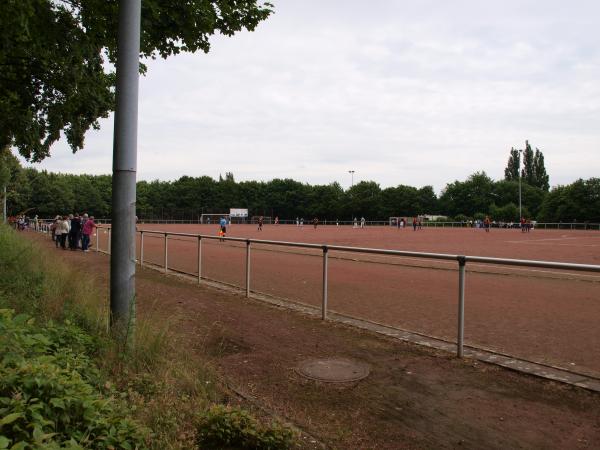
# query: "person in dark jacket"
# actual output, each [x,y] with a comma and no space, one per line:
[75,232]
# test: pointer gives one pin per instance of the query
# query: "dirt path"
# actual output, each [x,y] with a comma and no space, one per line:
[414,397]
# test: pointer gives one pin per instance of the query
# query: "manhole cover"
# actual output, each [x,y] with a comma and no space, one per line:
[333,370]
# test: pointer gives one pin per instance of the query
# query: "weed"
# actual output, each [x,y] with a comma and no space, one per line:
[231,427]
[49,392]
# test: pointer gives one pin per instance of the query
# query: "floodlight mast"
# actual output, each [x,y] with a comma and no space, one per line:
[520,213]
[123,254]
[351,172]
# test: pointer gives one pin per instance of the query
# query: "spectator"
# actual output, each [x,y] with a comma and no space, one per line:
[88,229]
[62,231]
[53,228]
[74,232]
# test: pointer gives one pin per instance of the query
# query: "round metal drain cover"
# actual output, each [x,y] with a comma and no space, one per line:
[333,370]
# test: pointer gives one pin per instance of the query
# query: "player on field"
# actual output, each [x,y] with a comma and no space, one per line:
[223,228]
[260,223]
[487,223]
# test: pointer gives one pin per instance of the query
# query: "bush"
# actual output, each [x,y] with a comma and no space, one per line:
[233,428]
[461,218]
[49,392]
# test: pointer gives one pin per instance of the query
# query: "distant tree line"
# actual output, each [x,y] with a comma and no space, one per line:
[47,194]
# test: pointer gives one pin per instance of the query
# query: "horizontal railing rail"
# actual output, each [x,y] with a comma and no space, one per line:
[461,260]
[381,251]
[592,226]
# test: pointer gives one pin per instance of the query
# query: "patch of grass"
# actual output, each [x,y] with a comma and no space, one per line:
[38,283]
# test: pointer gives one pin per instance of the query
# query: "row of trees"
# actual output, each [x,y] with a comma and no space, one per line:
[47,194]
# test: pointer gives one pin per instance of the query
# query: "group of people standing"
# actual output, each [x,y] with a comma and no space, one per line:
[417,223]
[526,225]
[363,222]
[74,231]
[23,222]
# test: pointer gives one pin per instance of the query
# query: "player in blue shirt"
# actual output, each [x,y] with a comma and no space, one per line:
[223,225]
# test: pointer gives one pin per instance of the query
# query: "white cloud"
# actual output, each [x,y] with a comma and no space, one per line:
[416,93]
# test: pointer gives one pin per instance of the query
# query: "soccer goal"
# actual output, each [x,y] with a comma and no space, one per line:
[214,218]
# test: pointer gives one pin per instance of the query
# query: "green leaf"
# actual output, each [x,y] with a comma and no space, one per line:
[4,442]
[10,418]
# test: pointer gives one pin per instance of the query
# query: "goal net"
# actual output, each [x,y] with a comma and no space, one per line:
[214,218]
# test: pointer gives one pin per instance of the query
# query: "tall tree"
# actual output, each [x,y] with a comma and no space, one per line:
[365,199]
[53,55]
[528,171]
[511,172]
[542,180]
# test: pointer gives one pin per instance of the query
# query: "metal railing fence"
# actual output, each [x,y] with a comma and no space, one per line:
[461,260]
[592,226]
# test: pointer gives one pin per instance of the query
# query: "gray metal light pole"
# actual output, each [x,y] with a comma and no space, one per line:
[520,213]
[351,172]
[122,257]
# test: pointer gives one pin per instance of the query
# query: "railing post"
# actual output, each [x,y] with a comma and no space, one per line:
[461,306]
[324,305]
[97,239]
[166,252]
[108,250]
[199,259]
[247,268]
[141,249]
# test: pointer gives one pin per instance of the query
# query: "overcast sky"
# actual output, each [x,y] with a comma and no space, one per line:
[419,93]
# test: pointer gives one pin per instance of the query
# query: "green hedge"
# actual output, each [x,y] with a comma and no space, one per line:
[50,392]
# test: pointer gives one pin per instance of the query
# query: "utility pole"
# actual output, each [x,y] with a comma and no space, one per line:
[520,213]
[122,258]
[351,172]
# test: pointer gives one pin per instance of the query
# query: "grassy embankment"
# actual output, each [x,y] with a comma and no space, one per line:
[65,383]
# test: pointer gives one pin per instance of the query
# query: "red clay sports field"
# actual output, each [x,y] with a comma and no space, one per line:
[545,315]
